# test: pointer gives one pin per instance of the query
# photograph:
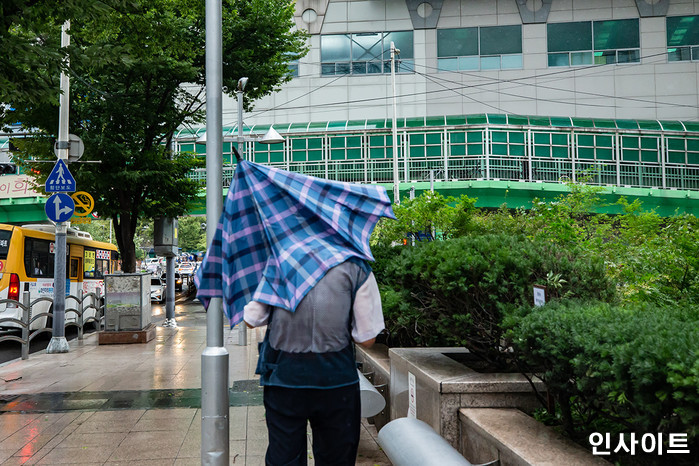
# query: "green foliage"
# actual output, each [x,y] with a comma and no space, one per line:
[618,369]
[457,292]
[431,214]
[191,235]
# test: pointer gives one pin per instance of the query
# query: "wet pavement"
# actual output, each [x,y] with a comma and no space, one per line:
[137,404]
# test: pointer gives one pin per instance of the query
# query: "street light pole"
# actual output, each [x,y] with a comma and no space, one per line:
[214,358]
[242,328]
[396,189]
[58,343]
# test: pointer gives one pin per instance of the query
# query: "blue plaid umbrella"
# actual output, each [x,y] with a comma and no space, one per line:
[280,232]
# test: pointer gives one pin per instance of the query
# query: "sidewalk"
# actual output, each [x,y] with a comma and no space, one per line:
[135,404]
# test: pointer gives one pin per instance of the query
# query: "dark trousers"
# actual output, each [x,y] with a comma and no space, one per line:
[334,415]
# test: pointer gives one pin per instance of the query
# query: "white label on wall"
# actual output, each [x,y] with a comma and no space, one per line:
[412,405]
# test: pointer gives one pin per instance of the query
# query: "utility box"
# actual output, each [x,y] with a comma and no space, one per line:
[127,302]
[165,237]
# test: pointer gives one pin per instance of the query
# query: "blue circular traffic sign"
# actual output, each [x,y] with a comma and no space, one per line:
[59,207]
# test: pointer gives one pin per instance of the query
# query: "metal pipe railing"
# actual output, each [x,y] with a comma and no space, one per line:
[408,441]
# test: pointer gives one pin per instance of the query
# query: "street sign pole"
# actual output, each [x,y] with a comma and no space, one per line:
[58,343]
[215,448]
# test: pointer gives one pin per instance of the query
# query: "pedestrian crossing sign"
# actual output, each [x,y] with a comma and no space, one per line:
[60,180]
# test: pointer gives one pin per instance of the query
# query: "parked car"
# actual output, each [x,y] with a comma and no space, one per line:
[178,280]
[157,289]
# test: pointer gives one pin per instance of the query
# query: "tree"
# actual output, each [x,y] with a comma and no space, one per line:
[137,75]
[191,234]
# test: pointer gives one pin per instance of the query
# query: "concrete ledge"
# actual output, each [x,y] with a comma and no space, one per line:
[517,440]
[128,336]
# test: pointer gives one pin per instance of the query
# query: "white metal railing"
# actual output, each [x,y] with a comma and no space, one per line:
[488,167]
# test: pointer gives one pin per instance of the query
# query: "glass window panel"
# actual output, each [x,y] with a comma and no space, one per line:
[560,152]
[342,68]
[501,40]
[367,46]
[517,150]
[629,155]
[457,150]
[682,30]
[417,139]
[679,54]
[457,42]
[359,67]
[403,41]
[448,64]
[516,138]
[434,151]
[499,136]
[606,57]
[374,67]
[490,63]
[511,62]
[315,143]
[695,53]
[569,37]
[315,155]
[327,69]
[559,59]
[335,47]
[542,138]
[559,139]
[542,151]
[581,58]
[469,63]
[617,34]
[500,149]
[474,136]
[457,138]
[628,56]
[434,138]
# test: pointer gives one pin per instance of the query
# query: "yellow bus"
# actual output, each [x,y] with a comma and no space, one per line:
[27,264]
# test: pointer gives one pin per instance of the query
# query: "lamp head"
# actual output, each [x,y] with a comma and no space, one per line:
[271,137]
[241,84]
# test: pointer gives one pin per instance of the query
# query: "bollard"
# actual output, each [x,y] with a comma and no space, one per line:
[372,401]
[408,441]
[25,328]
[81,309]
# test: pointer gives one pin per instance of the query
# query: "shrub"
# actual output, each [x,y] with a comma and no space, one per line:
[614,369]
[457,292]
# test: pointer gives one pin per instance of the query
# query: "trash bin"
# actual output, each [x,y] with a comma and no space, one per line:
[127,302]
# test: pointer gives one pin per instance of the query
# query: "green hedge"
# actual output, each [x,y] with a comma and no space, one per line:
[457,292]
[615,369]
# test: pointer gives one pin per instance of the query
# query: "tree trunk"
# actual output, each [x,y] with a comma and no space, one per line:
[124,227]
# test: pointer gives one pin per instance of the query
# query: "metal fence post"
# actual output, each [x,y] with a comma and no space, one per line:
[25,328]
[81,320]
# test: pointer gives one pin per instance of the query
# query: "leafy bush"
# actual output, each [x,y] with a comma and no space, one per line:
[614,369]
[457,292]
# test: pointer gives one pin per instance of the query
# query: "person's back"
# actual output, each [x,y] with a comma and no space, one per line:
[308,369]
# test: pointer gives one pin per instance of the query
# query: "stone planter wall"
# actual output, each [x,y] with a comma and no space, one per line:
[443,386]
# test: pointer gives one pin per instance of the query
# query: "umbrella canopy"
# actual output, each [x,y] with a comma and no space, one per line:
[280,232]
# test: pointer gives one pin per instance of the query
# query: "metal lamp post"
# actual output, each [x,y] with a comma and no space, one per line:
[394,133]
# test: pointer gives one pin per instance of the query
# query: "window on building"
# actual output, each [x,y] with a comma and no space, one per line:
[365,53]
[596,42]
[682,38]
[293,68]
[480,48]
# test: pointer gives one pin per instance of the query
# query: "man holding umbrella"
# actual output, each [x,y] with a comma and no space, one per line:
[293,251]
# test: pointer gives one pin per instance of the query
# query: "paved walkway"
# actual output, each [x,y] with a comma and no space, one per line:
[134,404]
